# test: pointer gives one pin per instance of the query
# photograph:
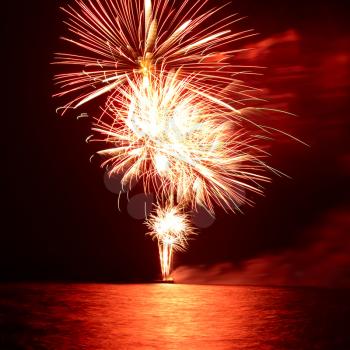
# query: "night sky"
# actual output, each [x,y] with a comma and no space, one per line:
[60,222]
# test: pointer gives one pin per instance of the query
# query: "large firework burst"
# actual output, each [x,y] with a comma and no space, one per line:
[180,145]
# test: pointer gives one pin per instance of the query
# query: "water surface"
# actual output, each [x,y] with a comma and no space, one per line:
[166,316]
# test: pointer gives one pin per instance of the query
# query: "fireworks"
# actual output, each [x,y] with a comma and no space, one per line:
[173,110]
[179,145]
[171,227]
[114,39]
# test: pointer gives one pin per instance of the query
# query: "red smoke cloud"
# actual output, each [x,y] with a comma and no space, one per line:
[324,261]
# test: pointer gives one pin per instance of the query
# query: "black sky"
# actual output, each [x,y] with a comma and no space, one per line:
[60,221]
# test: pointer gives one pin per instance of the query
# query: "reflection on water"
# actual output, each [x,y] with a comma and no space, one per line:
[163,316]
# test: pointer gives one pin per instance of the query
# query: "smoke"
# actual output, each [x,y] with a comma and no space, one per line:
[323,261]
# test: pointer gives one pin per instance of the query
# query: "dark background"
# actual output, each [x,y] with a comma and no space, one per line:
[61,223]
